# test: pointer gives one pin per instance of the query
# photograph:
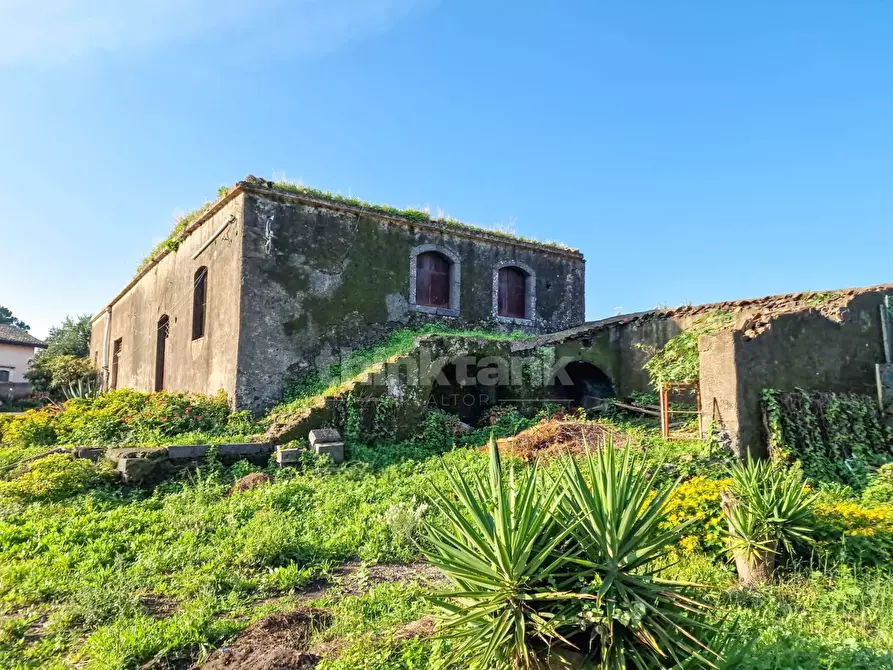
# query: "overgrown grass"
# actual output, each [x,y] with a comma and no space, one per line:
[360,362]
[108,577]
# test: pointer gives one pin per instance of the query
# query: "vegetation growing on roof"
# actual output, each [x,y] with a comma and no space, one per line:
[182,223]
[677,361]
[422,216]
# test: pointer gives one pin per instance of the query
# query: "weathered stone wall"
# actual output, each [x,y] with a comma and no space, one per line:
[318,278]
[619,347]
[207,364]
[806,349]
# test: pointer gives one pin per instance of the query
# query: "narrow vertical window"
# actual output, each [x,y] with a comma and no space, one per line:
[160,347]
[432,280]
[116,356]
[512,293]
[199,302]
[4,375]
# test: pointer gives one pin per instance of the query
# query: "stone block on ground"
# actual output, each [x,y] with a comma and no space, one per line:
[288,456]
[148,453]
[324,436]
[143,470]
[334,450]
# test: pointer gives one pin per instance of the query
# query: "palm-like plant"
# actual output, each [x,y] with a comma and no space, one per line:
[767,508]
[498,548]
[540,563]
[637,619]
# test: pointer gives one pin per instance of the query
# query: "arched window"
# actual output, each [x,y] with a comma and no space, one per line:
[512,293]
[4,375]
[432,287]
[434,280]
[199,302]
[160,346]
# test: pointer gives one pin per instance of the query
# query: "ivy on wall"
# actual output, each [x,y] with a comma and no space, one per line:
[678,361]
[836,436]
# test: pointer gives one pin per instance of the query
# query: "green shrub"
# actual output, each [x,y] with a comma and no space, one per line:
[54,477]
[124,417]
[879,490]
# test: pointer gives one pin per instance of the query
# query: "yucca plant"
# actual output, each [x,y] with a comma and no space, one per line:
[498,548]
[544,568]
[768,508]
[637,619]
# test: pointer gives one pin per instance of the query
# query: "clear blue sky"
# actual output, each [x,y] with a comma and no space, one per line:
[695,151]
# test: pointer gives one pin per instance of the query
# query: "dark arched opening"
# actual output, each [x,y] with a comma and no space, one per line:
[161,336]
[199,302]
[459,392]
[583,385]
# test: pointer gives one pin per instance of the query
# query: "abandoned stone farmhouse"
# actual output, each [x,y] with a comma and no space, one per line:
[270,283]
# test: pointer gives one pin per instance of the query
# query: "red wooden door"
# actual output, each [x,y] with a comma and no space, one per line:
[432,280]
[512,293]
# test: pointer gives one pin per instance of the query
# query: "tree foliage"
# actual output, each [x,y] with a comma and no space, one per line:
[8,319]
[66,360]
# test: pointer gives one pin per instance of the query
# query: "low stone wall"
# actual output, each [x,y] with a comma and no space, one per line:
[147,465]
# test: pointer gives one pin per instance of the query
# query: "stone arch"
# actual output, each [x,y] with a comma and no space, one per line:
[462,394]
[455,279]
[529,292]
[588,385]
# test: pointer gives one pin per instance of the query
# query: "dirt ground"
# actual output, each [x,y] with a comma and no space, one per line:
[276,642]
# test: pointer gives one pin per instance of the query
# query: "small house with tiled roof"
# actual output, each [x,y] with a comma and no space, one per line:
[17,348]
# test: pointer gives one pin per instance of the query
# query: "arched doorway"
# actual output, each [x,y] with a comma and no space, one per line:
[588,386]
[464,397]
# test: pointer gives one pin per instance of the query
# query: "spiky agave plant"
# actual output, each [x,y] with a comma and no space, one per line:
[767,509]
[498,547]
[636,619]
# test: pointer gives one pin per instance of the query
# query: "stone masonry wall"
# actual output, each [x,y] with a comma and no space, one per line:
[318,279]
[204,365]
[809,349]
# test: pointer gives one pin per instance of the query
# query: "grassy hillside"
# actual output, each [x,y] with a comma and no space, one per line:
[95,575]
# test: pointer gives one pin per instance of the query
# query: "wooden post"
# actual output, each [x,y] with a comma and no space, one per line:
[700,412]
[664,411]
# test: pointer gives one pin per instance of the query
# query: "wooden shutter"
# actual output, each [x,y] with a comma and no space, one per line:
[512,293]
[432,280]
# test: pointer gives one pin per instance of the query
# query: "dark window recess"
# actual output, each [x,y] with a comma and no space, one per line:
[199,302]
[160,346]
[4,375]
[512,293]
[432,287]
[116,356]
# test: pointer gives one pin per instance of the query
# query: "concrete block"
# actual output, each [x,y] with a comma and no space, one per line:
[244,449]
[324,435]
[334,450]
[91,453]
[187,452]
[148,453]
[288,456]
[142,470]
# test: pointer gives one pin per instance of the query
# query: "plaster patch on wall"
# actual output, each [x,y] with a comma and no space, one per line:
[398,307]
[324,283]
